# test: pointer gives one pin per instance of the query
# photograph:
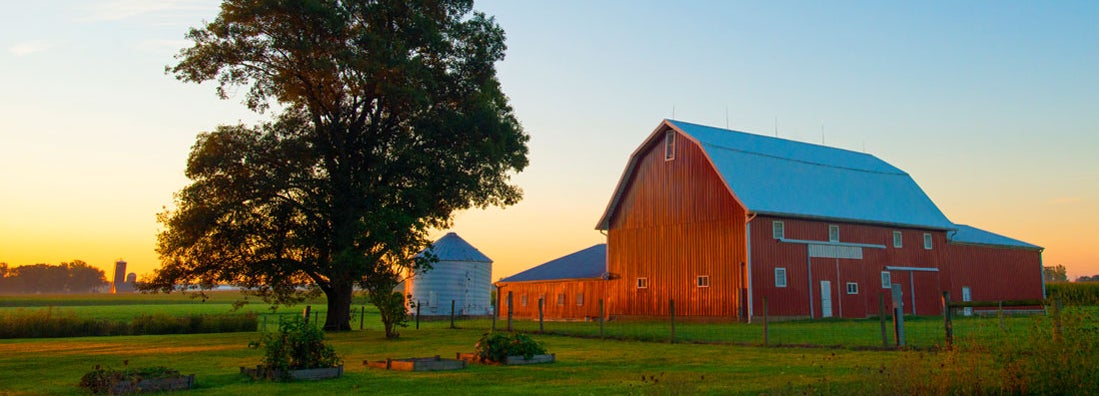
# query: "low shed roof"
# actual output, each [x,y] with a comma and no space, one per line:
[590,263]
[976,236]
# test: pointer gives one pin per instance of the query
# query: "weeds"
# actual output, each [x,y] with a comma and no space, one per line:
[51,322]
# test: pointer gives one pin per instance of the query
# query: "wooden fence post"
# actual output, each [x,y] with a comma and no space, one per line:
[541,326]
[601,320]
[671,310]
[881,317]
[947,323]
[1000,313]
[509,310]
[305,313]
[362,316]
[765,320]
[417,314]
[452,314]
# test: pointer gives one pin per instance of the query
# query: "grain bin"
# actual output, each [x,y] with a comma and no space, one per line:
[463,275]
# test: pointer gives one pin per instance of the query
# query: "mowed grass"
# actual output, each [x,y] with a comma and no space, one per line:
[585,366]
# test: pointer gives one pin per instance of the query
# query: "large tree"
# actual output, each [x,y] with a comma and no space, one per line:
[389,119]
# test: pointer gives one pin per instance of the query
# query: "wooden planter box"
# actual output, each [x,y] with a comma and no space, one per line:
[153,385]
[417,364]
[262,372]
[510,360]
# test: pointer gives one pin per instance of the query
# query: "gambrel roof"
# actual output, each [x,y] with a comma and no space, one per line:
[780,177]
[590,263]
[975,236]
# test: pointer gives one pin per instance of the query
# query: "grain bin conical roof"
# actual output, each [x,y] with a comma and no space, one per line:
[452,247]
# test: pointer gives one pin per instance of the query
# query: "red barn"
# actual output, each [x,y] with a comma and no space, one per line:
[717,220]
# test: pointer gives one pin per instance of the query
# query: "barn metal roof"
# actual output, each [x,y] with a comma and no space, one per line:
[781,177]
[452,247]
[976,236]
[585,264]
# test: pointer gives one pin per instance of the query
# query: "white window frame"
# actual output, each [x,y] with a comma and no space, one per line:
[523,300]
[898,239]
[561,299]
[778,229]
[852,288]
[833,233]
[702,281]
[927,241]
[642,283]
[669,145]
[579,299]
[780,277]
[886,280]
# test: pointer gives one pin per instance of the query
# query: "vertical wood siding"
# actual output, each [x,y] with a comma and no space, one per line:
[676,221]
[994,273]
[592,290]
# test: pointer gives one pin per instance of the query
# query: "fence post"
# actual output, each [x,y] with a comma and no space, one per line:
[495,313]
[317,317]
[509,310]
[417,314]
[881,317]
[362,316]
[1000,313]
[765,320]
[452,314]
[541,326]
[898,314]
[947,323]
[305,313]
[671,310]
[264,323]
[601,320]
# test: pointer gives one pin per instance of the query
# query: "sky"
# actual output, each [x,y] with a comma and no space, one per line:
[991,106]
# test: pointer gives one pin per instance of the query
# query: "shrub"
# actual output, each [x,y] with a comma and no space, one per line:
[297,345]
[496,347]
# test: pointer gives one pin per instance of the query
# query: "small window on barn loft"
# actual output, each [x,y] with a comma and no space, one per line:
[579,299]
[523,300]
[669,145]
[642,283]
[886,280]
[703,281]
[897,240]
[852,288]
[833,233]
[780,277]
[927,241]
[778,230]
[560,298]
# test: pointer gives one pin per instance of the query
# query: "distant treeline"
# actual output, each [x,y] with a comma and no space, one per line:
[74,277]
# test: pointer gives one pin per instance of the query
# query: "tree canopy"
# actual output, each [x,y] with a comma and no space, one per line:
[390,118]
[74,277]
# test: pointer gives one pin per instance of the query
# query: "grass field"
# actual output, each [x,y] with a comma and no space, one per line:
[707,359]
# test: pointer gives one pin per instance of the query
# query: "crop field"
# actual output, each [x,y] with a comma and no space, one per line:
[634,358]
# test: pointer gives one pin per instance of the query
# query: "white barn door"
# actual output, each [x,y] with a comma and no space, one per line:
[826,299]
[967,296]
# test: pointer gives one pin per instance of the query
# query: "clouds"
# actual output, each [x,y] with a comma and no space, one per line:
[114,10]
[29,47]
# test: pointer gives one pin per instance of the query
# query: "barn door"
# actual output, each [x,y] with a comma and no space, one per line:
[826,299]
[967,297]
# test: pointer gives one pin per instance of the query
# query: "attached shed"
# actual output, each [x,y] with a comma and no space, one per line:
[570,287]
[977,255]
[463,275]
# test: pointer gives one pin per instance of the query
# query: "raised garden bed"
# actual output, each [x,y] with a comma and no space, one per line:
[135,380]
[435,363]
[153,385]
[510,360]
[262,372]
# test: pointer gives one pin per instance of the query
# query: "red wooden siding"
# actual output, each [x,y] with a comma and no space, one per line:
[592,291]
[994,273]
[676,221]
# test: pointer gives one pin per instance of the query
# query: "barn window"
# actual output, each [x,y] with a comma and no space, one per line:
[852,288]
[886,280]
[780,277]
[669,145]
[833,233]
[703,281]
[927,241]
[778,230]
[523,300]
[560,298]
[897,240]
[579,299]
[642,283]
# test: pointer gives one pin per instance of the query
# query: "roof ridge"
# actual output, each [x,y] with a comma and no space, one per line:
[817,163]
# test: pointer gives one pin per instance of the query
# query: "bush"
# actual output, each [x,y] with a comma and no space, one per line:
[297,345]
[496,347]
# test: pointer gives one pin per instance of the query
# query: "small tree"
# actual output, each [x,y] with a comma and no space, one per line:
[1055,274]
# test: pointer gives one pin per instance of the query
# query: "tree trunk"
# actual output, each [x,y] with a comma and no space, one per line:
[339,309]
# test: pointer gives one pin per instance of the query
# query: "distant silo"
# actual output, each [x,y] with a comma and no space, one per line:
[131,281]
[462,274]
[119,283]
